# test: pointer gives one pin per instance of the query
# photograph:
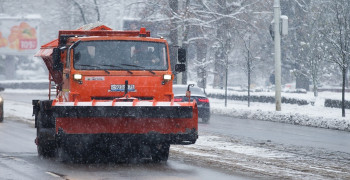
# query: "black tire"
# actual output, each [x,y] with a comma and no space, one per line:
[206,119]
[160,152]
[45,147]
[1,112]
[64,154]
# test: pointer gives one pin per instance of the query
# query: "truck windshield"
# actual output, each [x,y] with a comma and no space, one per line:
[120,55]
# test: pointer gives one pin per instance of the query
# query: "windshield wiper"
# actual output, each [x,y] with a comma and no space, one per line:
[98,67]
[110,65]
[139,67]
[133,65]
[150,71]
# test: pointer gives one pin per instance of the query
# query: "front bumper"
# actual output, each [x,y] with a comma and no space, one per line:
[175,122]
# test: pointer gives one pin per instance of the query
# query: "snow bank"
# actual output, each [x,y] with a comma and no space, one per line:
[308,115]
[19,111]
[290,118]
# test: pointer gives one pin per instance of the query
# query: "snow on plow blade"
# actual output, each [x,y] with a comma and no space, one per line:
[176,119]
[125,111]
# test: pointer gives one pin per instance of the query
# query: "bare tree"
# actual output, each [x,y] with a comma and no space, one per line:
[80,10]
[97,11]
[312,50]
[292,57]
[248,65]
[337,36]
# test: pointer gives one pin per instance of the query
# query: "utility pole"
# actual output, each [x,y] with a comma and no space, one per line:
[226,74]
[277,15]
[249,72]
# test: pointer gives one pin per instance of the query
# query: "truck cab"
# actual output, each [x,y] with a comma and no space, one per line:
[98,67]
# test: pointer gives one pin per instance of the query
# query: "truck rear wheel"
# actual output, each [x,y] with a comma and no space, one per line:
[160,152]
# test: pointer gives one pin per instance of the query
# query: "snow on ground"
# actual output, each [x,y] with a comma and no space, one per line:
[264,159]
[308,115]
[25,81]
[306,96]
[27,91]
[18,110]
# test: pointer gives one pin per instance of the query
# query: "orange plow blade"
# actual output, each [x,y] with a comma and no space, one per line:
[178,121]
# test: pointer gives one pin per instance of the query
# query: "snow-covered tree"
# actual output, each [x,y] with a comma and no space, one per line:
[207,29]
[312,51]
[297,12]
[337,35]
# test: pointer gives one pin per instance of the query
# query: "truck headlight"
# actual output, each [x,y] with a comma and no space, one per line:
[167,77]
[77,77]
[1,99]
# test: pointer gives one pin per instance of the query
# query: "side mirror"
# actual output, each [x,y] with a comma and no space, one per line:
[180,67]
[181,55]
[188,92]
[56,58]
[77,56]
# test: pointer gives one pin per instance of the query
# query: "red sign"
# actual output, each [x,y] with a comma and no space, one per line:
[25,44]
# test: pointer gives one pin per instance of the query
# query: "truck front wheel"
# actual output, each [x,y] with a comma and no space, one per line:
[46,146]
[1,111]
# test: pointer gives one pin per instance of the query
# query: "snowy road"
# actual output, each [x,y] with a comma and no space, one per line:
[19,159]
[287,134]
[248,148]
[271,150]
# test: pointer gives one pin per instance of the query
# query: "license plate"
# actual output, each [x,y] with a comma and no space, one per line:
[121,87]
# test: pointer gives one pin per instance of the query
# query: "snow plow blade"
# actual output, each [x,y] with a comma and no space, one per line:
[177,122]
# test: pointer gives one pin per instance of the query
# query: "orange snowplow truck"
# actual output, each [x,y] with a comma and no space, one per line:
[114,97]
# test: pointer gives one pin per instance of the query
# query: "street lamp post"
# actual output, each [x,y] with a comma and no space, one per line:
[226,80]
[277,14]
